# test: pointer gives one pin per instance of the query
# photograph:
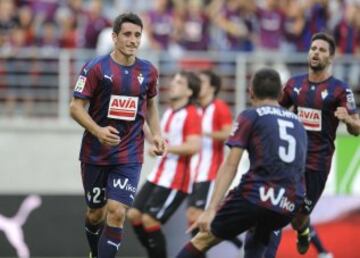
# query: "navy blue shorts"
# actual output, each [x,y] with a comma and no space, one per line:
[200,195]
[238,215]
[116,182]
[158,201]
[315,182]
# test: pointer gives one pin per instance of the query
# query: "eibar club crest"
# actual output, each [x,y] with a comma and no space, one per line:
[140,78]
[324,94]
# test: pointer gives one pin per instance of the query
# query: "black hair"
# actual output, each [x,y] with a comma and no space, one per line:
[194,84]
[326,37]
[126,17]
[215,80]
[266,83]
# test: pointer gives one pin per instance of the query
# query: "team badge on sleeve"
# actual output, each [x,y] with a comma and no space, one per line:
[80,84]
[350,100]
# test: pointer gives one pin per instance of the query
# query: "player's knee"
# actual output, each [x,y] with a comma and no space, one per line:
[116,214]
[149,221]
[95,216]
[134,215]
[204,240]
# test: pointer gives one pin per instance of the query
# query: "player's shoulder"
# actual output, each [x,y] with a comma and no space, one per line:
[297,79]
[338,83]
[146,64]
[191,108]
[95,61]
[249,113]
[220,103]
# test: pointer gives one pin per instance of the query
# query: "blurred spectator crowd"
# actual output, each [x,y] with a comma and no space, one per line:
[176,25]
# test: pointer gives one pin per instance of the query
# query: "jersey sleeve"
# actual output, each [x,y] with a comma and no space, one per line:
[242,129]
[86,83]
[285,99]
[192,123]
[153,85]
[347,100]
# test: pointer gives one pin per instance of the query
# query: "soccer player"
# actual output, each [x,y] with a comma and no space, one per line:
[169,182]
[216,124]
[320,101]
[272,190]
[120,90]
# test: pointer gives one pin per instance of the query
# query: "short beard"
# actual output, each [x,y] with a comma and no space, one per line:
[318,68]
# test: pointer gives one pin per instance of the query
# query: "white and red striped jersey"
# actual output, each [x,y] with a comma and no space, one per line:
[206,164]
[173,171]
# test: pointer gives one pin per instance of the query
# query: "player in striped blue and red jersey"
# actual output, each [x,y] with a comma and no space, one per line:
[120,90]
[270,193]
[321,102]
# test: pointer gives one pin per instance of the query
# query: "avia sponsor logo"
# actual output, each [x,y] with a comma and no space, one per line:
[124,185]
[276,200]
[311,118]
[123,107]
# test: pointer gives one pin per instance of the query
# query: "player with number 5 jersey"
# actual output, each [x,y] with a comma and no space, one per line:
[273,189]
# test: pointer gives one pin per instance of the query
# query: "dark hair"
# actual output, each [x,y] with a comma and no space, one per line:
[326,37]
[194,84]
[266,83]
[215,80]
[126,17]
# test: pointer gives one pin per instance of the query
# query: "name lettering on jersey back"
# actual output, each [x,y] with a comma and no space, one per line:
[262,111]
[124,185]
[123,107]
[311,118]
[278,200]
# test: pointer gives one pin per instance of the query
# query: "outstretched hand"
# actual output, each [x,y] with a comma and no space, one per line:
[203,222]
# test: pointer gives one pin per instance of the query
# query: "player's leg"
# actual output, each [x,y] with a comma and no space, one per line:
[271,248]
[94,182]
[315,240]
[198,245]
[159,208]
[264,239]
[235,216]
[197,202]
[315,184]
[136,212]
[121,189]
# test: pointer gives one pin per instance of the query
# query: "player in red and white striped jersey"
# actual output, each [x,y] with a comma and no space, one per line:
[169,182]
[216,125]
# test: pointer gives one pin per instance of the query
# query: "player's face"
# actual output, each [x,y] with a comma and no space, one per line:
[127,41]
[206,88]
[319,57]
[179,88]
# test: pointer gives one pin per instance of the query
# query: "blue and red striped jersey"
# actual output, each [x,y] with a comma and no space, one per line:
[315,104]
[117,96]
[276,142]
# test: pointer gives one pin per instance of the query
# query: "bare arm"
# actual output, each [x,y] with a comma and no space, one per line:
[107,135]
[191,146]
[220,135]
[154,125]
[224,178]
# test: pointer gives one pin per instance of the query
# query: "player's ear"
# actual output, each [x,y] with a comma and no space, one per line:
[114,37]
